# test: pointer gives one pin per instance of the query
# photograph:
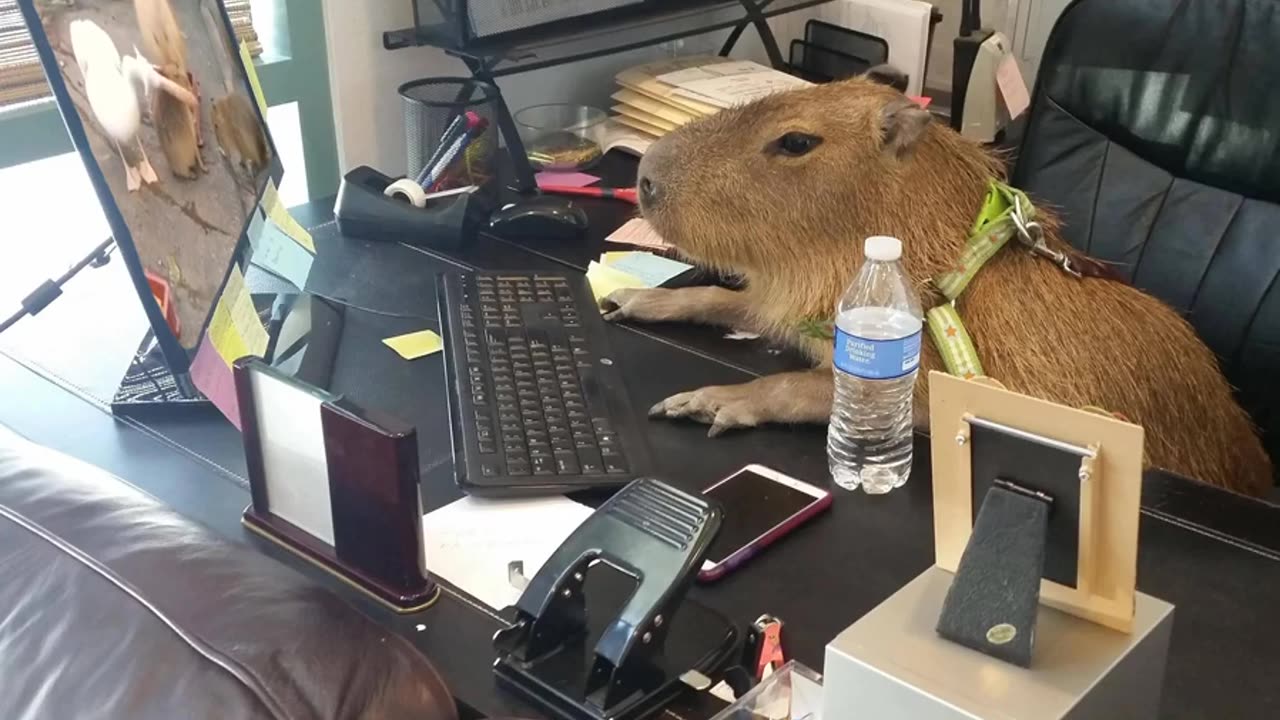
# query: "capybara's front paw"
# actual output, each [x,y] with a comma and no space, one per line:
[637,304]
[723,407]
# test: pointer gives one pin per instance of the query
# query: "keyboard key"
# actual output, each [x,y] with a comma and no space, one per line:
[616,466]
[590,462]
[559,443]
[518,469]
[490,468]
[488,448]
[567,463]
[484,433]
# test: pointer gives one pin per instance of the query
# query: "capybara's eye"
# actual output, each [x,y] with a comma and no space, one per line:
[796,144]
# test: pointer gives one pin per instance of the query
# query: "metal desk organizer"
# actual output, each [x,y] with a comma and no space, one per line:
[574,660]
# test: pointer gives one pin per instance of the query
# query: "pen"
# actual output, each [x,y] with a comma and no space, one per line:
[624,194]
[454,152]
[459,125]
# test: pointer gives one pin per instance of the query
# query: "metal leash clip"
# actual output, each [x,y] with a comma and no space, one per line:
[1032,235]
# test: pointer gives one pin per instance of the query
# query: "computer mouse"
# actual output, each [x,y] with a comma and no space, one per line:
[542,216]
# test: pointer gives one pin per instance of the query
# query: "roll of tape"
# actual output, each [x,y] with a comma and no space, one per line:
[407,189]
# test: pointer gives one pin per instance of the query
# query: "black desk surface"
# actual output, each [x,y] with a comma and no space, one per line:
[1214,555]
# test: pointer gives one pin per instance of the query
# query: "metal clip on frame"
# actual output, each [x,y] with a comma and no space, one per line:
[654,533]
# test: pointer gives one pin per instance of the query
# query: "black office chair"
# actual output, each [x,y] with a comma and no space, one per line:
[1155,130]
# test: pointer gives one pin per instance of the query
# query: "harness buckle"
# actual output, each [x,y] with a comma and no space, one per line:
[1031,234]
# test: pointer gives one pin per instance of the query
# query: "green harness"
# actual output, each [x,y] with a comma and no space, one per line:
[1006,213]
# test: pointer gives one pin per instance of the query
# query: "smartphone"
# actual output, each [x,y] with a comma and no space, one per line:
[760,505]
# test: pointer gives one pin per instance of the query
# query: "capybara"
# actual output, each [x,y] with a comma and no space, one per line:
[177,126]
[239,133]
[783,191]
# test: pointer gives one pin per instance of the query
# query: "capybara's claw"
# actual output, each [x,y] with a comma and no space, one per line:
[638,304]
[723,407]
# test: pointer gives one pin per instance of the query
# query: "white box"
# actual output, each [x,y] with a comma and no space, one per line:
[891,664]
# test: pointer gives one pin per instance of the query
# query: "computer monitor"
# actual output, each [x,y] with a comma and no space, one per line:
[159,105]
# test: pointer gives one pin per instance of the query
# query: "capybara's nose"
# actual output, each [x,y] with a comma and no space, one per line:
[649,191]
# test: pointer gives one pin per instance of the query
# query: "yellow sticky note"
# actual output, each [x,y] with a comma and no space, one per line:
[415,344]
[278,214]
[235,329]
[605,280]
[244,316]
[247,58]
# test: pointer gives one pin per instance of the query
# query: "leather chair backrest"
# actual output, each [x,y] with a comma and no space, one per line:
[1155,131]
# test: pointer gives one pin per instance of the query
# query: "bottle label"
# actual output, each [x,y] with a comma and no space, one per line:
[877,359]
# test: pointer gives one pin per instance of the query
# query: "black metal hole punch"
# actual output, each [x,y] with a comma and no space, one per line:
[582,665]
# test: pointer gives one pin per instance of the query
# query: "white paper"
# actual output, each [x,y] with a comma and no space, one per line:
[1012,87]
[806,698]
[732,90]
[293,455]
[495,16]
[726,84]
[470,543]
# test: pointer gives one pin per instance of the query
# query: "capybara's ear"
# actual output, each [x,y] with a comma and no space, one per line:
[886,74]
[903,123]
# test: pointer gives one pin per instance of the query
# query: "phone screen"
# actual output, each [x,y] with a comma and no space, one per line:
[753,505]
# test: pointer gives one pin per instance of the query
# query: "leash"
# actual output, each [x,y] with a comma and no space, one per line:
[1006,214]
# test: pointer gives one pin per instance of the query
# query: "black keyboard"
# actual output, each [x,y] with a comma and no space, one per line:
[537,403]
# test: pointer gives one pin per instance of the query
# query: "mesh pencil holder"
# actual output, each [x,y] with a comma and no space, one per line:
[431,105]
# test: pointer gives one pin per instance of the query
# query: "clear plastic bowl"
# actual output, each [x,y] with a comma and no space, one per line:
[562,136]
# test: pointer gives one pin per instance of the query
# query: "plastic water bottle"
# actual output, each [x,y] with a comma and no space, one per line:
[877,353]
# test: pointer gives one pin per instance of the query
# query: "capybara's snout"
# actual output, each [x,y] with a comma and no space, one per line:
[653,181]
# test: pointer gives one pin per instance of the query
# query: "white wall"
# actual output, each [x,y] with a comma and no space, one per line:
[363,78]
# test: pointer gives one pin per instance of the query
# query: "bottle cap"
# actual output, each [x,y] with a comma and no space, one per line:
[882,248]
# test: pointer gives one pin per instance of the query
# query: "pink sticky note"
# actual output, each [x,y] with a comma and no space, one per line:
[565,179]
[920,100]
[1012,87]
[213,377]
[638,231]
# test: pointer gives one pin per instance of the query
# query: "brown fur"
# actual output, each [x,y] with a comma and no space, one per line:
[793,227]
[239,133]
[177,127]
[177,123]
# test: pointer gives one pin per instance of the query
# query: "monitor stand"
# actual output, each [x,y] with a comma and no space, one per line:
[148,385]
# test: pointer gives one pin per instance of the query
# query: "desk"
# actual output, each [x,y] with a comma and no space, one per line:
[1216,556]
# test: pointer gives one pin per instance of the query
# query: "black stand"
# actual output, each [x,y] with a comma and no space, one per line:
[657,535]
[966,45]
[51,290]
[148,382]
[991,606]
[1026,491]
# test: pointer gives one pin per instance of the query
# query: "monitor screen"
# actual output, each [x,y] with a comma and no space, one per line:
[164,117]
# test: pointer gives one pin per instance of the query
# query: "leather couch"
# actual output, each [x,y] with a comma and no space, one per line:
[113,606]
[1153,129]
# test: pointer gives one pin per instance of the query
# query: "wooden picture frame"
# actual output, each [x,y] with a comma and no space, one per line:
[1111,488]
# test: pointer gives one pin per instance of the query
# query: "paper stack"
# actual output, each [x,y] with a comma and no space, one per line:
[659,97]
